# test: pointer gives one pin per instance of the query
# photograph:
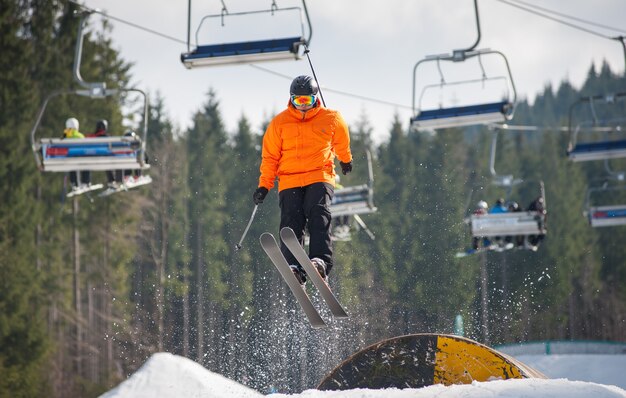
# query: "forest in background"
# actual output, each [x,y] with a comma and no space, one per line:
[92,288]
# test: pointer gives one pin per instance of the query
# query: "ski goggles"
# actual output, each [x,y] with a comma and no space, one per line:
[303,100]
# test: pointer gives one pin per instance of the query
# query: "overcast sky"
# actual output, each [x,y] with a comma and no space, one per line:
[364,48]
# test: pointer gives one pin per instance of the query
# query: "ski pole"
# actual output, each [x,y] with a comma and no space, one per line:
[245,232]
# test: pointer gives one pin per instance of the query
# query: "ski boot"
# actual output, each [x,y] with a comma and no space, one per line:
[320,266]
[299,273]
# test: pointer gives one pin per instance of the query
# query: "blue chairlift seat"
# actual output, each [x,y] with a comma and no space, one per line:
[352,200]
[463,115]
[598,151]
[98,153]
[607,216]
[243,52]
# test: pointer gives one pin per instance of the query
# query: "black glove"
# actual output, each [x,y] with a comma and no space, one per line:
[259,195]
[345,167]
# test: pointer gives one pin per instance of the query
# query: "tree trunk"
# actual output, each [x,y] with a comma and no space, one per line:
[77,297]
[200,290]
[186,313]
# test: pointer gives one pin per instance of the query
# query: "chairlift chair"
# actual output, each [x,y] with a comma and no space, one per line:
[355,200]
[606,215]
[521,223]
[98,153]
[494,110]
[249,51]
[614,143]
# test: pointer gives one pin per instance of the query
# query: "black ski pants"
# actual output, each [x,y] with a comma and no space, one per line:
[85,177]
[308,207]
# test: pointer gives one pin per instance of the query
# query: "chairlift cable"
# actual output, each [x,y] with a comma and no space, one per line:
[134,25]
[370,99]
[596,24]
[571,25]
[109,16]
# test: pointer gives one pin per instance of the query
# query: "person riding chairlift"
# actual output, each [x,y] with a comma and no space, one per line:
[71,131]
[102,131]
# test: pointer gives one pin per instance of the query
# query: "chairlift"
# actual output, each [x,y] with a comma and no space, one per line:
[249,51]
[521,223]
[613,143]
[496,109]
[94,153]
[512,229]
[606,215]
[352,202]
[515,222]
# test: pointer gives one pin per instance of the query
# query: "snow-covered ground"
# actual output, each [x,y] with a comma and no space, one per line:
[573,376]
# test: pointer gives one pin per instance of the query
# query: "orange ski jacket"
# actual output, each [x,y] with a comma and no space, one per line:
[300,147]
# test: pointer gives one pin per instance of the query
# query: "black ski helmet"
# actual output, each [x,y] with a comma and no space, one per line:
[102,125]
[303,85]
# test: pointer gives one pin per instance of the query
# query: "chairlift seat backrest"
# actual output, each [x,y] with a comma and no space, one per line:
[508,224]
[598,151]
[352,200]
[98,153]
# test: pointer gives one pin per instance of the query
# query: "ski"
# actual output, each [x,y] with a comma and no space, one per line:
[125,186]
[491,248]
[83,189]
[291,241]
[273,251]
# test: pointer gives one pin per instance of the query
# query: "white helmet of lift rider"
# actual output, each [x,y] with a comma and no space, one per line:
[482,205]
[71,123]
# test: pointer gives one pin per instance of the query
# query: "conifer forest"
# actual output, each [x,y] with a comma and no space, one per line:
[91,287]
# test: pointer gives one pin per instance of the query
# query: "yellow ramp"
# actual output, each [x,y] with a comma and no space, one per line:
[419,360]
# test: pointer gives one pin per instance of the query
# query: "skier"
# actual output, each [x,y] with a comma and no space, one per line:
[498,208]
[538,206]
[132,177]
[481,209]
[513,207]
[299,147]
[102,131]
[71,131]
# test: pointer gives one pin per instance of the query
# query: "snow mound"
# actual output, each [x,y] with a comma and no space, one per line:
[165,375]
[596,368]
[513,388]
